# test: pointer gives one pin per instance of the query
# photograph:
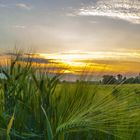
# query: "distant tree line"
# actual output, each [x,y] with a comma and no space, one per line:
[120,79]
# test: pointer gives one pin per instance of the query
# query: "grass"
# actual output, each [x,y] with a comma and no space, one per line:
[35,106]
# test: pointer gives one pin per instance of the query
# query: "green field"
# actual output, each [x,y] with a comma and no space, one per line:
[35,106]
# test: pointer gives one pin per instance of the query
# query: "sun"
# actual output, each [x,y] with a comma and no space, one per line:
[66,58]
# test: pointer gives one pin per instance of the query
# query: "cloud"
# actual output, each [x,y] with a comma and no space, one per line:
[24,6]
[35,60]
[19,26]
[93,64]
[128,10]
[28,57]
[3,5]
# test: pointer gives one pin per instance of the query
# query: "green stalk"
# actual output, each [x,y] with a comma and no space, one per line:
[49,129]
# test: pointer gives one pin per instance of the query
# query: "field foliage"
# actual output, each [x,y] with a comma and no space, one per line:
[35,106]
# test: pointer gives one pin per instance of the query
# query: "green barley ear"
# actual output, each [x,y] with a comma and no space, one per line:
[9,127]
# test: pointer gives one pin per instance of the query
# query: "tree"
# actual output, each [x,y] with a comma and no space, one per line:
[130,80]
[109,79]
[119,78]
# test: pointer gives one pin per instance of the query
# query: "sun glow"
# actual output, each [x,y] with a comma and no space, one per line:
[76,62]
[65,58]
[69,57]
[62,56]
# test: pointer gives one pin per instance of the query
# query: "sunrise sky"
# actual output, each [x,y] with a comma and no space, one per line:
[104,33]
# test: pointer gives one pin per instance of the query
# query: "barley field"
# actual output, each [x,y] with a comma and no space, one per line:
[36,106]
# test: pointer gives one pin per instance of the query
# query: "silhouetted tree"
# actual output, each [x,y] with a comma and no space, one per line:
[109,79]
[119,78]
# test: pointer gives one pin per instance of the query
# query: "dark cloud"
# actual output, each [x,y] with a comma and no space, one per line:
[27,57]
[35,60]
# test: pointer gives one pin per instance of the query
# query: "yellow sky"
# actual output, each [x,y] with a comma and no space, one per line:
[79,63]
